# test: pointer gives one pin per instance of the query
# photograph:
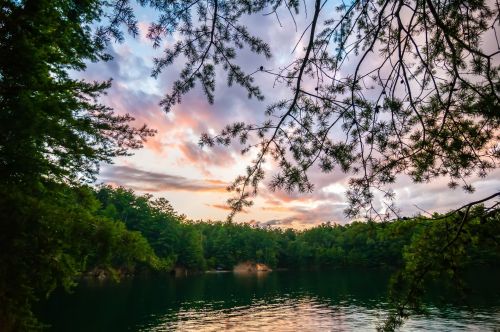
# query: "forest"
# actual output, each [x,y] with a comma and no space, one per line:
[124,233]
[202,245]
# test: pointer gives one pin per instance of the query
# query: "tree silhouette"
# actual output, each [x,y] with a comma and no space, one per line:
[53,136]
[381,88]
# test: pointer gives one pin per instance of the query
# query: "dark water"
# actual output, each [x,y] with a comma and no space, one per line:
[342,300]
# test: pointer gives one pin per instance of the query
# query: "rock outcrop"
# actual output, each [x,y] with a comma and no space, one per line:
[251,267]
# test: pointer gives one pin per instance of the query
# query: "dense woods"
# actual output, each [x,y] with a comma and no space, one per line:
[117,231]
[200,245]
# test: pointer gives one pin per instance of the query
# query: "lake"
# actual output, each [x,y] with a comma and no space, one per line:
[339,300]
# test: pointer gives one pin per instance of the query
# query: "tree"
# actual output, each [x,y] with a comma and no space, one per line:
[53,136]
[425,104]
[51,126]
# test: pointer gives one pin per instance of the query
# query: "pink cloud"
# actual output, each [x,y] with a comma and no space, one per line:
[148,181]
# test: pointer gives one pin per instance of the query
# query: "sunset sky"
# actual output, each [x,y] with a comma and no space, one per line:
[172,165]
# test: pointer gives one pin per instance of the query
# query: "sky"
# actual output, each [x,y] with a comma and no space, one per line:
[194,179]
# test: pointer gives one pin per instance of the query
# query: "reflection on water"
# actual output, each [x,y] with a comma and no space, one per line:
[343,300]
[280,314]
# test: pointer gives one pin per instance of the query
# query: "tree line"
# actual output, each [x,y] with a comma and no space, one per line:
[127,232]
[201,245]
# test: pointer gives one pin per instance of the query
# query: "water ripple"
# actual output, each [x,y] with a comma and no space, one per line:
[284,314]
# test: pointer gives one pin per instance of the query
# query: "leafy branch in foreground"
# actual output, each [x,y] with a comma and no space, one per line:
[210,35]
[439,253]
[425,104]
[381,88]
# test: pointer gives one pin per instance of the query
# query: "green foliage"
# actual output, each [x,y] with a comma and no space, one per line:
[53,136]
[154,219]
[227,244]
[190,248]
[215,244]
[50,124]
[443,247]
[49,238]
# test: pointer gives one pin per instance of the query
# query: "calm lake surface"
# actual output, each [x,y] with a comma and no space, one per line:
[340,300]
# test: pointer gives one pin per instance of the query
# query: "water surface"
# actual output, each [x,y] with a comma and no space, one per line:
[340,300]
